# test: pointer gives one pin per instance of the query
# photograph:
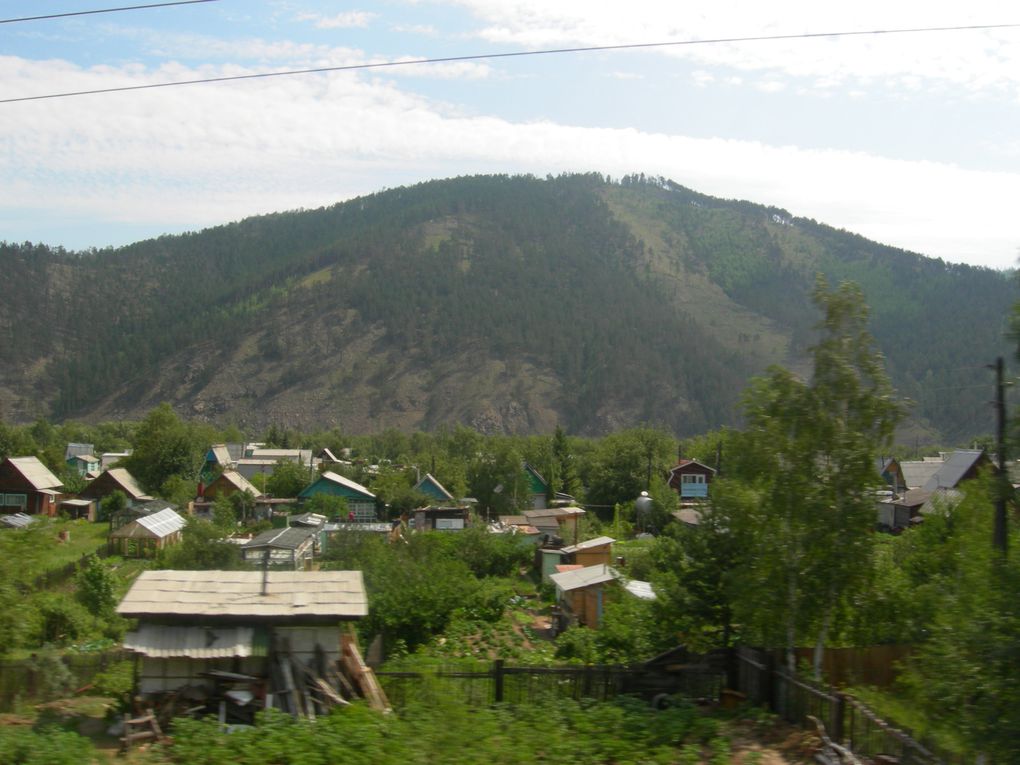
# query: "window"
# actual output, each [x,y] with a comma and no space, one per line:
[692,478]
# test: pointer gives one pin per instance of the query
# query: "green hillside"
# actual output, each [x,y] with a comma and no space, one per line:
[510,304]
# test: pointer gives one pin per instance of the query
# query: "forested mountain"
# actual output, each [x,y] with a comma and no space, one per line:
[510,304]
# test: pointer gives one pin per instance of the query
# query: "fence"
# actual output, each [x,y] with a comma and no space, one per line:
[61,574]
[499,682]
[848,721]
[48,675]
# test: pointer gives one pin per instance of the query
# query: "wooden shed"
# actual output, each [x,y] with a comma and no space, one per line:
[580,594]
[193,624]
[590,552]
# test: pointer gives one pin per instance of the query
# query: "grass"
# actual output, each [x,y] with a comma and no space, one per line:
[900,712]
[48,551]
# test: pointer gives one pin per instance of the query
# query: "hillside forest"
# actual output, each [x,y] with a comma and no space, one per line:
[508,305]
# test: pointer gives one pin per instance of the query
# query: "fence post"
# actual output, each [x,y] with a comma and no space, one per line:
[769,682]
[838,712]
[497,676]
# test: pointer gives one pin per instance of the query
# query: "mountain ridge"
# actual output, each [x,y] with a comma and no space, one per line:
[506,303]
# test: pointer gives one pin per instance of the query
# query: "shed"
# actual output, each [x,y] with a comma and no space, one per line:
[27,486]
[556,521]
[77,509]
[580,596]
[143,536]
[192,623]
[360,500]
[590,552]
[441,518]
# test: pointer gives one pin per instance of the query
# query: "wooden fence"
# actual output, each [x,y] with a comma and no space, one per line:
[762,679]
[499,682]
[61,574]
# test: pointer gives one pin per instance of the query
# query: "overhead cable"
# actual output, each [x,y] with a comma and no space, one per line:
[103,10]
[487,56]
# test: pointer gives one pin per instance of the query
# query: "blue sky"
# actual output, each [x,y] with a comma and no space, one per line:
[911,140]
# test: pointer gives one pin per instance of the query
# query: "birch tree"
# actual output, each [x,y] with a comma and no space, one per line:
[812,445]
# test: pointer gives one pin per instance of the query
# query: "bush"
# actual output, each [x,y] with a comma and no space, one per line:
[49,746]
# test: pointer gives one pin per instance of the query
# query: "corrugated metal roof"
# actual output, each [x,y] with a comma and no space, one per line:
[162,524]
[952,471]
[221,454]
[162,641]
[35,473]
[589,544]
[585,577]
[302,456]
[291,595]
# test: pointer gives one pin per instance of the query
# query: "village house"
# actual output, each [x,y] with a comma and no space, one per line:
[431,488]
[360,500]
[691,479]
[143,537]
[27,486]
[227,483]
[86,465]
[116,479]
[538,488]
[194,626]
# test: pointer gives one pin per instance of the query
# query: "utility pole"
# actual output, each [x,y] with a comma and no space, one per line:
[1000,538]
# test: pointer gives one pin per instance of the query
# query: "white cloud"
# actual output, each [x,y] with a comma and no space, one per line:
[986,61]
[194,156]
[348,20]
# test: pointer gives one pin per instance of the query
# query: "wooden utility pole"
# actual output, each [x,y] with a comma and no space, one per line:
[1002,483]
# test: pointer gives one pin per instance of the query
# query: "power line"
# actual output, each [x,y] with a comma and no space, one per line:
[484,56]
[103,10]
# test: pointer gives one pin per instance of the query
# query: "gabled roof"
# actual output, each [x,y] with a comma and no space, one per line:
[589,544]
[916,473]
[36,473]
[238,481]
[954,469]
[220,454]
[430,485]
[681,464]
[339,480]
[290,595]
[125,481]
[584,577]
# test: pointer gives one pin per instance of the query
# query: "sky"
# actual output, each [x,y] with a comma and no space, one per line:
[912,140]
